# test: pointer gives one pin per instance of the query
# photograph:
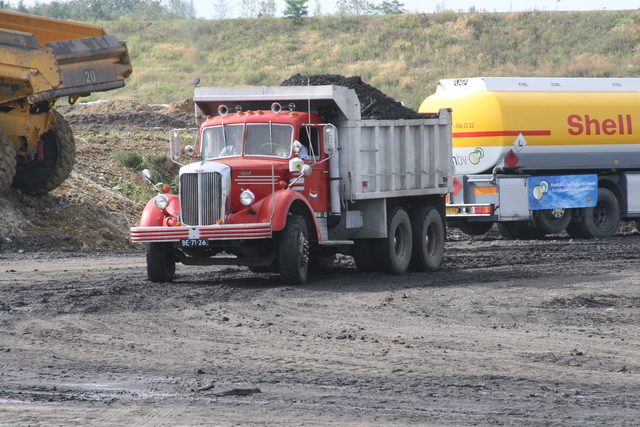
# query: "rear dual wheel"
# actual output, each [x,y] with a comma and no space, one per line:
[428,233]
[393,253]
[413,240]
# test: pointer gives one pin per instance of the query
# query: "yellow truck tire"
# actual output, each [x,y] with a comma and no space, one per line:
[7,161]
[40,177]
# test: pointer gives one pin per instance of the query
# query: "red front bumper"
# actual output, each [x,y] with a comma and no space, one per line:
[212,232]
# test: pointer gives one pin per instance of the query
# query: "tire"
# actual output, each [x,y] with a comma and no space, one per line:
[363,255]
[603,219]
[505,230]
[59,149]
[393,254]
[161,262]
[7,161]
[273,268]
[514,230]
[553,221]
[574,232]
[293,251]
[321,263]
[475,228]
[427,229]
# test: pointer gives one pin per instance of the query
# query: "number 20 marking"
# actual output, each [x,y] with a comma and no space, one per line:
[90,76]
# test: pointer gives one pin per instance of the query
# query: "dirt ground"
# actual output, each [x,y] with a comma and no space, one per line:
[510,333]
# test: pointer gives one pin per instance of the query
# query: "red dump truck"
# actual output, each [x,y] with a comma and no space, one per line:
[284,178]
[541,155]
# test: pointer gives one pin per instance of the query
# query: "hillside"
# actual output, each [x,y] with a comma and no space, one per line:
[402,55]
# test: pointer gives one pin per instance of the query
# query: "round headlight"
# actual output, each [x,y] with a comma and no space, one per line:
[247,198]
[162,201]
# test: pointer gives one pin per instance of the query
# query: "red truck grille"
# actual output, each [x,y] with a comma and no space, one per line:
[201,198]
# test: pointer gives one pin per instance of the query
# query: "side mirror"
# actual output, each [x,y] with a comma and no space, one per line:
[330,134]
[174,145]
[306,171]
[148,176]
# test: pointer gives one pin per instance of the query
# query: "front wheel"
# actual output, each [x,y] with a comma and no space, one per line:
[293,251]
[59,151]
[428,239]
[603,219]
[394,252]
[161,262]
[7,161]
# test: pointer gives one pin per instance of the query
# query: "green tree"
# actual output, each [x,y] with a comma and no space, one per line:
[391,8]
[356,7]
[222,9]
[296,9]
[267,8]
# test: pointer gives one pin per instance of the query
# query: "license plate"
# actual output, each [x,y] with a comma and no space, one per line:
[194,242]
[452,210]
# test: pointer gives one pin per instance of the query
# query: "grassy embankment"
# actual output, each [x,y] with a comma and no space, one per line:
[402,55]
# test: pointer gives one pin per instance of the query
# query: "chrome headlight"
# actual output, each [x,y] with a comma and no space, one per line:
[247,198]
[162,201]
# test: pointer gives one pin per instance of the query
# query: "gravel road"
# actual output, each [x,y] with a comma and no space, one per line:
[510,333]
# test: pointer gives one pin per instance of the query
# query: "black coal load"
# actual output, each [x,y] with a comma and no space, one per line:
[374,104]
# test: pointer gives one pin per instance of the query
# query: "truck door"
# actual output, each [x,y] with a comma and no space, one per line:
[316,188]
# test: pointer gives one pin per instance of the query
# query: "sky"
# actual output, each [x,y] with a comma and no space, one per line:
[204,8]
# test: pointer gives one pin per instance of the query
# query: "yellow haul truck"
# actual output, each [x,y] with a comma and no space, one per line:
[541,155]
[42,60]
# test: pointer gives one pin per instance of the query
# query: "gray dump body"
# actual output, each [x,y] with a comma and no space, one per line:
[378,158]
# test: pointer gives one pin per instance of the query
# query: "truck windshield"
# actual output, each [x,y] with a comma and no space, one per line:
[263,139]
[222,141]
[269,139]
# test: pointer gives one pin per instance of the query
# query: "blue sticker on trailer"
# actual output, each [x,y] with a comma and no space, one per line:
[563,192]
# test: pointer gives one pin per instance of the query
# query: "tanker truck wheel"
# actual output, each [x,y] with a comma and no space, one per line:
[475,228]
[427,229]
[553,221]
[519,230]
[40,177]
[293,251]
[603,219]
[393,254]
[161,262]
[7,161]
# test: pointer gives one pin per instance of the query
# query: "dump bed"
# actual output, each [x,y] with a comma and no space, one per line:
[378,158]
[44,58]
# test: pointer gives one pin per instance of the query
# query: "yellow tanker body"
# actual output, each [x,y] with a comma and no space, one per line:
[542,155]
[548,124]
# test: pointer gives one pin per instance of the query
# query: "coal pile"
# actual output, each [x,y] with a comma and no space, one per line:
[375,104]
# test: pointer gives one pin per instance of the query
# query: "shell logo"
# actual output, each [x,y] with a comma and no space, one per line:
[540,190]
[476,156]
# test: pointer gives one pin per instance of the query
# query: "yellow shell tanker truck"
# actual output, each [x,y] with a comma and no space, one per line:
[541,155]
[42,60]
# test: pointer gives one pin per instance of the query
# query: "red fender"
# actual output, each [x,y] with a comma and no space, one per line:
[283,201]
[154,217]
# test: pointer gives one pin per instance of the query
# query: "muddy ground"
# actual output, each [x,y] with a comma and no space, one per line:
[511,333]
